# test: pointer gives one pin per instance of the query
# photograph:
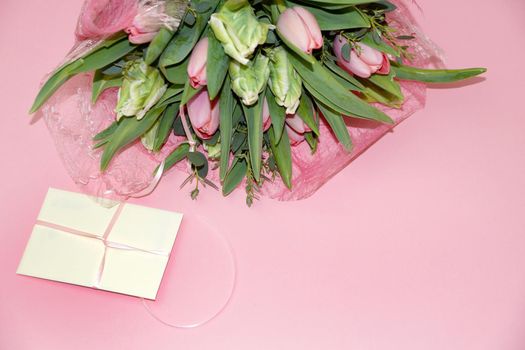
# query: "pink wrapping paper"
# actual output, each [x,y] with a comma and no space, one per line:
[73,120]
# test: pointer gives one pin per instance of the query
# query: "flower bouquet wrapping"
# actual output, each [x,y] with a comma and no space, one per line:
[275,96]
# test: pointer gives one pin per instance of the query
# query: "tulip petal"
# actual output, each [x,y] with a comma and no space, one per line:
[293,28]
[296,123]
[385,68]
[141,38]
[370,55]
[267,121]
[295,138]
[357,66]
[311,25]
[199,109]
[197,64]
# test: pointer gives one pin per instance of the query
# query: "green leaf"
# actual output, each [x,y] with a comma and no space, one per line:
[104,134]
[337,3]
[306,113]
[171,95]
[303,55]
[338,126]
[337,19]
[128,130]
[277,114]
[187,36]
[176,156]
[234,176]
[176,74]
[102,82]
[157,45]
[312,141]
[165,126]
[435,75]
[383,89]
[345,51]
[197,158]
[253,115]
[324,87]
[216,65]
[104,56]
[101,57]
[226,107]
[373,40]
[189,92]
[282,154]
[355,85]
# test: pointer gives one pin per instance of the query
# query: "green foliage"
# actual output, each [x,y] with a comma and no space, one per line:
[248,61]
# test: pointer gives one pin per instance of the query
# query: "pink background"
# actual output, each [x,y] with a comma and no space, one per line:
[419,244]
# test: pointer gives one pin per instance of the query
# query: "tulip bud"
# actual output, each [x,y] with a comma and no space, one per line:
[197,65]
[249,80]
[285,83]
[239,31]
[363,61]
[153,15]
[204,114]
[267,121]
[142,87]
[296,128]
[300,27]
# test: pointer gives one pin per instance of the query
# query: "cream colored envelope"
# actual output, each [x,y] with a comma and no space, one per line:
[122,249]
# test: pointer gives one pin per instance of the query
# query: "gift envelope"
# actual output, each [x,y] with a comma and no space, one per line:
[123,249]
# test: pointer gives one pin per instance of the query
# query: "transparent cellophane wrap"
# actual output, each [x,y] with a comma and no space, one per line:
[73,120]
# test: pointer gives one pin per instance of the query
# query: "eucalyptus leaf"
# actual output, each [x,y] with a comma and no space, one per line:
[196,158]
[373,40]
[176,156]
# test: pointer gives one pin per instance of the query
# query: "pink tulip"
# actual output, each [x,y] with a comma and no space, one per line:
[146,24]
[296,128]
[301,28]
[204,114]
[197,65]
[266,116]
[101,18]
[364,61]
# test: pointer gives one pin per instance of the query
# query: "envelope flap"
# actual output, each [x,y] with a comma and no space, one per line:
[146,228]
[76,211]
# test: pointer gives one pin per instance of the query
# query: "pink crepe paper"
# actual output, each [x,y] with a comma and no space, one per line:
[73,120]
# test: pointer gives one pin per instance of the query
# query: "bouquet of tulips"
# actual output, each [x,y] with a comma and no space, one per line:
[241,83]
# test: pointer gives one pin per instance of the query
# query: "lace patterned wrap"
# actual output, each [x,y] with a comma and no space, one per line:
[73,120]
